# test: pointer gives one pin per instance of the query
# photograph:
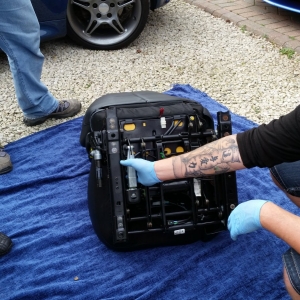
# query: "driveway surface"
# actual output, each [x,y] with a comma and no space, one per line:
[181,43]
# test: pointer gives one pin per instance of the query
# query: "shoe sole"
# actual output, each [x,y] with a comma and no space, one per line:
[6,170]
[8,249]
[34,122]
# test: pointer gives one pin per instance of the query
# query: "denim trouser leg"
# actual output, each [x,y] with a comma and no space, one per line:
[20,40]
[291,260]
[288,176]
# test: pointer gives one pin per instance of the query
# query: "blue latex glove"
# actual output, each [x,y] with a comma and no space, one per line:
[245,218]
[145,170]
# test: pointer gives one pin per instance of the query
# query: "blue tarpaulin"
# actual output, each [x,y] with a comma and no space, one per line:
[57,255]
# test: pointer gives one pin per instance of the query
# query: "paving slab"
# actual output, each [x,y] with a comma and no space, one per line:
[279,26]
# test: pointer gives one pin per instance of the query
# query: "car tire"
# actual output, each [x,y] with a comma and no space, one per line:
[106,24]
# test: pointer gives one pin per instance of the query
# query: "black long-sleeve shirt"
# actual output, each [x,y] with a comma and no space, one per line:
[271,144]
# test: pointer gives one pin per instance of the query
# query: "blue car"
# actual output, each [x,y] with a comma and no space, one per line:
[293,5]
[94,24]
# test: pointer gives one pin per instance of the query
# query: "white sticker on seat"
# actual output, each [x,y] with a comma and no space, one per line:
[179,231]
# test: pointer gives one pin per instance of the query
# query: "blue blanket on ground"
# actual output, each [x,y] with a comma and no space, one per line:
[56,254]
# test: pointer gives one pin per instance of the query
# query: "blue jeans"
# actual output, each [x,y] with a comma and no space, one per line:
[291,260]
[20,40]
[288,175]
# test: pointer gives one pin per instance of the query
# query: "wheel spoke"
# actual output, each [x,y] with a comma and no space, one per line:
[122,5]
[80,4]
[117,26]
[93,25]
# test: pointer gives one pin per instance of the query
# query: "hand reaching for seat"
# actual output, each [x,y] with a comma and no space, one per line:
[245,218]
[145,170]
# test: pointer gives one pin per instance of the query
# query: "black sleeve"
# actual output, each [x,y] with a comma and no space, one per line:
[271,144]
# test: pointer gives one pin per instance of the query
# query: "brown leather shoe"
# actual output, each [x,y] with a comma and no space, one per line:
[5,244]
[5,162]
[65,109]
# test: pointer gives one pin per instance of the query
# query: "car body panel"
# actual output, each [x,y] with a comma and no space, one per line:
[158,3]
[52,15]
[49,10]
[292,5]
[53,29]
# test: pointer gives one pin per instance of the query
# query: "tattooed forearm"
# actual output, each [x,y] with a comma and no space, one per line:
[221,170]
[231,155]
[211,159]
[179,168]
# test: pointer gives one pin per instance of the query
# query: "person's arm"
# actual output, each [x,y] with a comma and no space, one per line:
[264,146]
[256,214]
[282,223]
[214,158]
[271,144]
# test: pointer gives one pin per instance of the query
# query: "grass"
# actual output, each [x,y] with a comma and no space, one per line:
[288,52]
[88,85]
[257,110]
[244,28]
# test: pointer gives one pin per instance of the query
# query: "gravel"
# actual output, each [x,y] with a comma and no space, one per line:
[180,44]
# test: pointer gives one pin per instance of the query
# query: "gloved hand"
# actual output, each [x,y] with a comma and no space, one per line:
[144,168]
[245,218]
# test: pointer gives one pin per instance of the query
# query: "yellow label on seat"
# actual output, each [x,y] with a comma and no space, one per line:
[176,122]
[129,127]
[179,149]
[167,151]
